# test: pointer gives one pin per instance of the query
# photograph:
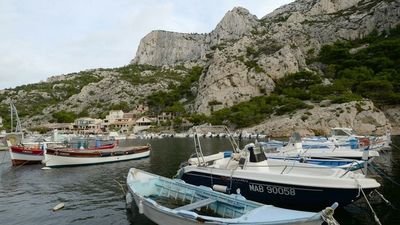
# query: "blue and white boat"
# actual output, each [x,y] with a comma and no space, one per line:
[283,183]
[347,137]
[166,201]
[317,148]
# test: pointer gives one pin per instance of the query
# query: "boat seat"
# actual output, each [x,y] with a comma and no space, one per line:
[197,204]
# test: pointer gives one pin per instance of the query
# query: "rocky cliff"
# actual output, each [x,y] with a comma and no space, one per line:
[244,55]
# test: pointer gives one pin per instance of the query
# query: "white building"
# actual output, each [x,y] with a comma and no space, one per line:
[112,116]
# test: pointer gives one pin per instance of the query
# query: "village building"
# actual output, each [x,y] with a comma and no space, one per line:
[112,116]
[87,125]
[63,127]
[164,117]
[143,123]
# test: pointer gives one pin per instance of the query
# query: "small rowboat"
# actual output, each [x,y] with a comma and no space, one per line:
[56,157]
[166,201]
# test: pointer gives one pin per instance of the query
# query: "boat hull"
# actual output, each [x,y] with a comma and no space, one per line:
[69,158]
[165,218]
[22,156]
[277,194]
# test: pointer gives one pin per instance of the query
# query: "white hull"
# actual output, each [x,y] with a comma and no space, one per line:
[327,154]
[57,160]
[25,157]
[165,218]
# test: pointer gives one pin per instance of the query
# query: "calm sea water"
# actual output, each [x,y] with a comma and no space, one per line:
[93,194]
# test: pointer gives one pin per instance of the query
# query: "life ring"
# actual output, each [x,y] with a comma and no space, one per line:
[13,139]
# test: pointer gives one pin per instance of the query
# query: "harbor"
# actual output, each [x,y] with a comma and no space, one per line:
[281,112]
[96,194]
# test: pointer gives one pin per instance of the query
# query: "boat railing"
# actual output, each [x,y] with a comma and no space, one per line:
[285,169]
[197,144]
[355,162]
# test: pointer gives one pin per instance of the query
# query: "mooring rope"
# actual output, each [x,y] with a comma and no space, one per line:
[383,198]
[327,215]
[383,174]
[372,210]
[121,186]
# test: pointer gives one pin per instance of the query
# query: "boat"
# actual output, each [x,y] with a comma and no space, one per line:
[281,183]
[344,136]
[167,201]
[33,152]
[346,164]
[58,157]
[321,149]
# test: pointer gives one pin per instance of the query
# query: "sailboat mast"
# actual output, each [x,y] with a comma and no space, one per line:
[12,119]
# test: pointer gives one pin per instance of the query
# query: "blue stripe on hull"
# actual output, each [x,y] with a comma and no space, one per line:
[288,196]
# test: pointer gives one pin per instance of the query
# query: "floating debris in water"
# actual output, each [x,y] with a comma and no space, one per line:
[58,207]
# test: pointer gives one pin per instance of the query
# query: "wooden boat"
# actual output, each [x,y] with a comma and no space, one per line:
[29,153]
[278,182]
[73,157]
[33,153]
[166,201]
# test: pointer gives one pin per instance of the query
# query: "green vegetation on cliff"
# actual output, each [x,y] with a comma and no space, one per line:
[368,67]
[169,100]
[352,70]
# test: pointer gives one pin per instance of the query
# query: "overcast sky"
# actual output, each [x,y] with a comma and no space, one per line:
[42,38]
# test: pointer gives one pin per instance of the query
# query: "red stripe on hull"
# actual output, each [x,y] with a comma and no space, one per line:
[27,150]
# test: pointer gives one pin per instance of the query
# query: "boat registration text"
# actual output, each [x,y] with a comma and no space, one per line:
[272,189]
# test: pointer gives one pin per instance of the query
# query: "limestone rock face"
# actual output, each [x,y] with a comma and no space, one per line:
[393,115]
[363,117]
[235,24]
[167,48]
[244,55]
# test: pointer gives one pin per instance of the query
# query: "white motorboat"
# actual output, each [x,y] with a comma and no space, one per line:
[278,182]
